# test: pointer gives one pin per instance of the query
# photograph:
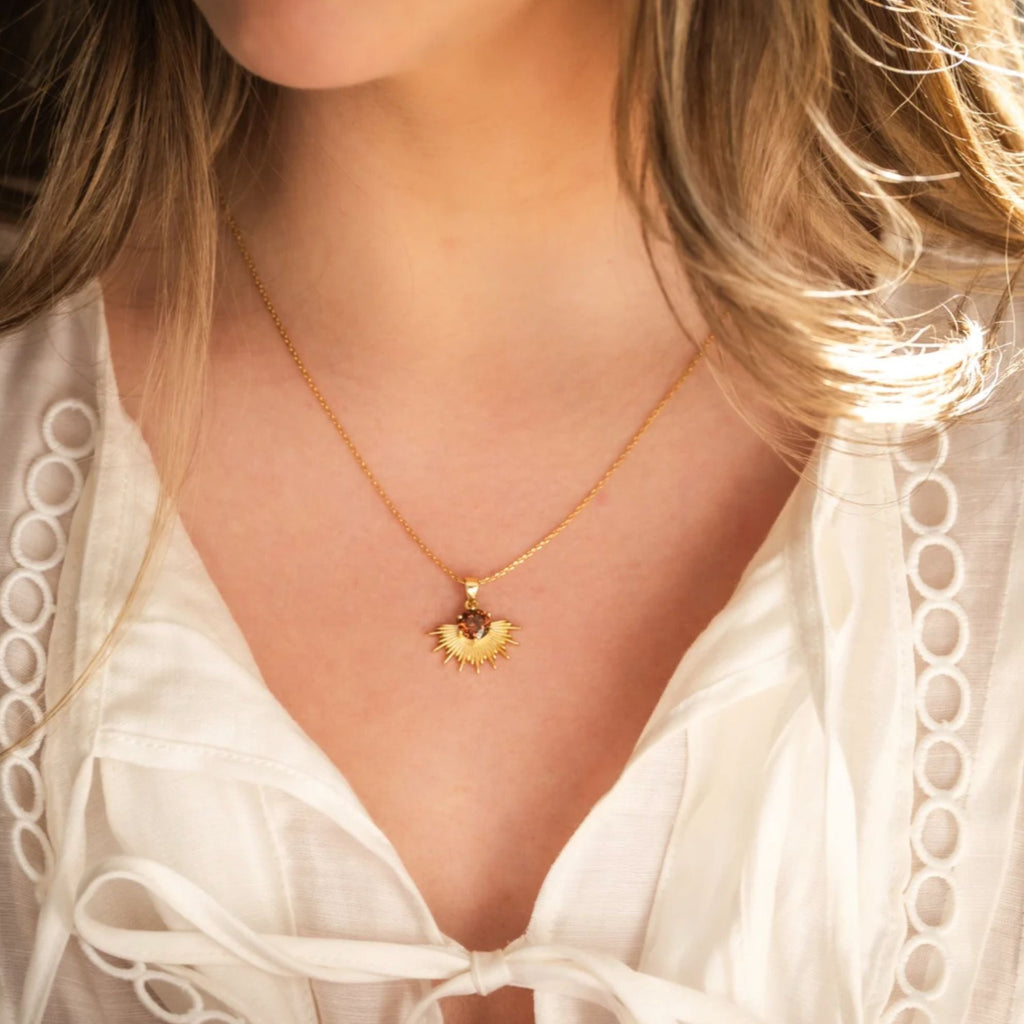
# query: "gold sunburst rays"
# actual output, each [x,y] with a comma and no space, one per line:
[474,637]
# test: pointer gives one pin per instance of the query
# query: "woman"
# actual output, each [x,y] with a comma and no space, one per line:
[678,338]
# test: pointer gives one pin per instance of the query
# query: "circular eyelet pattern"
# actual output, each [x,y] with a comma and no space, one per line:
[15,709]
[942,761]
[928,618]
[937,878]
[57,541]
[929,544]
[144,978]
[930,684]
[937,985]
[53,486]
[14,677]
[17,589]
[943,516]
[936,833]
[53,505]
[30,808]
[60,419]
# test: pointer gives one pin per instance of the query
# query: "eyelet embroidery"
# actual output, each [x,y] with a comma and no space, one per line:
[26,606]
[27,603]
[141,976]
[938,796]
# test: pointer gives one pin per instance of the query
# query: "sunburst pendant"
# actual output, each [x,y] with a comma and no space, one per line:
[474,637]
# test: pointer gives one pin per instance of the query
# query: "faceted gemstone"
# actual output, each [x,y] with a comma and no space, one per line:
[474,623]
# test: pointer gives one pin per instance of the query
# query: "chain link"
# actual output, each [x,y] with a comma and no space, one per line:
[551,534]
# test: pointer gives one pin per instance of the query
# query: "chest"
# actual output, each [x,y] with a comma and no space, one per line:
[477,780]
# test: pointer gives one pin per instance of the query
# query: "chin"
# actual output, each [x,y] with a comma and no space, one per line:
[326,44]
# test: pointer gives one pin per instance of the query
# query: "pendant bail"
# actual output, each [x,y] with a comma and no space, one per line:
[472,588]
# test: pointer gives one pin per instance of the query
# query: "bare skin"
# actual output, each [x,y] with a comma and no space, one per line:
[477,307]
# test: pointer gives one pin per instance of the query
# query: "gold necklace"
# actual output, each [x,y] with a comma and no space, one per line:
[474,637]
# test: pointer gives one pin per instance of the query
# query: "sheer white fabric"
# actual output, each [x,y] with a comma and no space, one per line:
[822,821]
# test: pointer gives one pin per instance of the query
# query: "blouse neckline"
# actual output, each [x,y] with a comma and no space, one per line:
[760,605]
[763,606]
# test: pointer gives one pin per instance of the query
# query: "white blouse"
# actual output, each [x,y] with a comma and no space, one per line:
[821,823]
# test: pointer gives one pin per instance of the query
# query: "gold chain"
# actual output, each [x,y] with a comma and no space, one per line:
[551,534]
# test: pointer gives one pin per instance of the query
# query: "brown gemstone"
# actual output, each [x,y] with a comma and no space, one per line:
[474,624]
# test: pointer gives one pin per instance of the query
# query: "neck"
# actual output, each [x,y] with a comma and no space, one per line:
[470,200]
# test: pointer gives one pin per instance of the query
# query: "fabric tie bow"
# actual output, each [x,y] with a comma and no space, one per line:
[220,937]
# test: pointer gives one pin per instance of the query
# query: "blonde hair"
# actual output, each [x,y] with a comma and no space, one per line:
[798,155]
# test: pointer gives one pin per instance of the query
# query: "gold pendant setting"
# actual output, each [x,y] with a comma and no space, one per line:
[474,637]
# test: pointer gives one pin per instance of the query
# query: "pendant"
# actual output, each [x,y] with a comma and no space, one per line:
[474,637]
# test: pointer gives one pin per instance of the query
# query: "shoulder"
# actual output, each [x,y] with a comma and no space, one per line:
[50,370]
[54,356]
[972,305]
[973,464]
[68,332]
[59,344]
